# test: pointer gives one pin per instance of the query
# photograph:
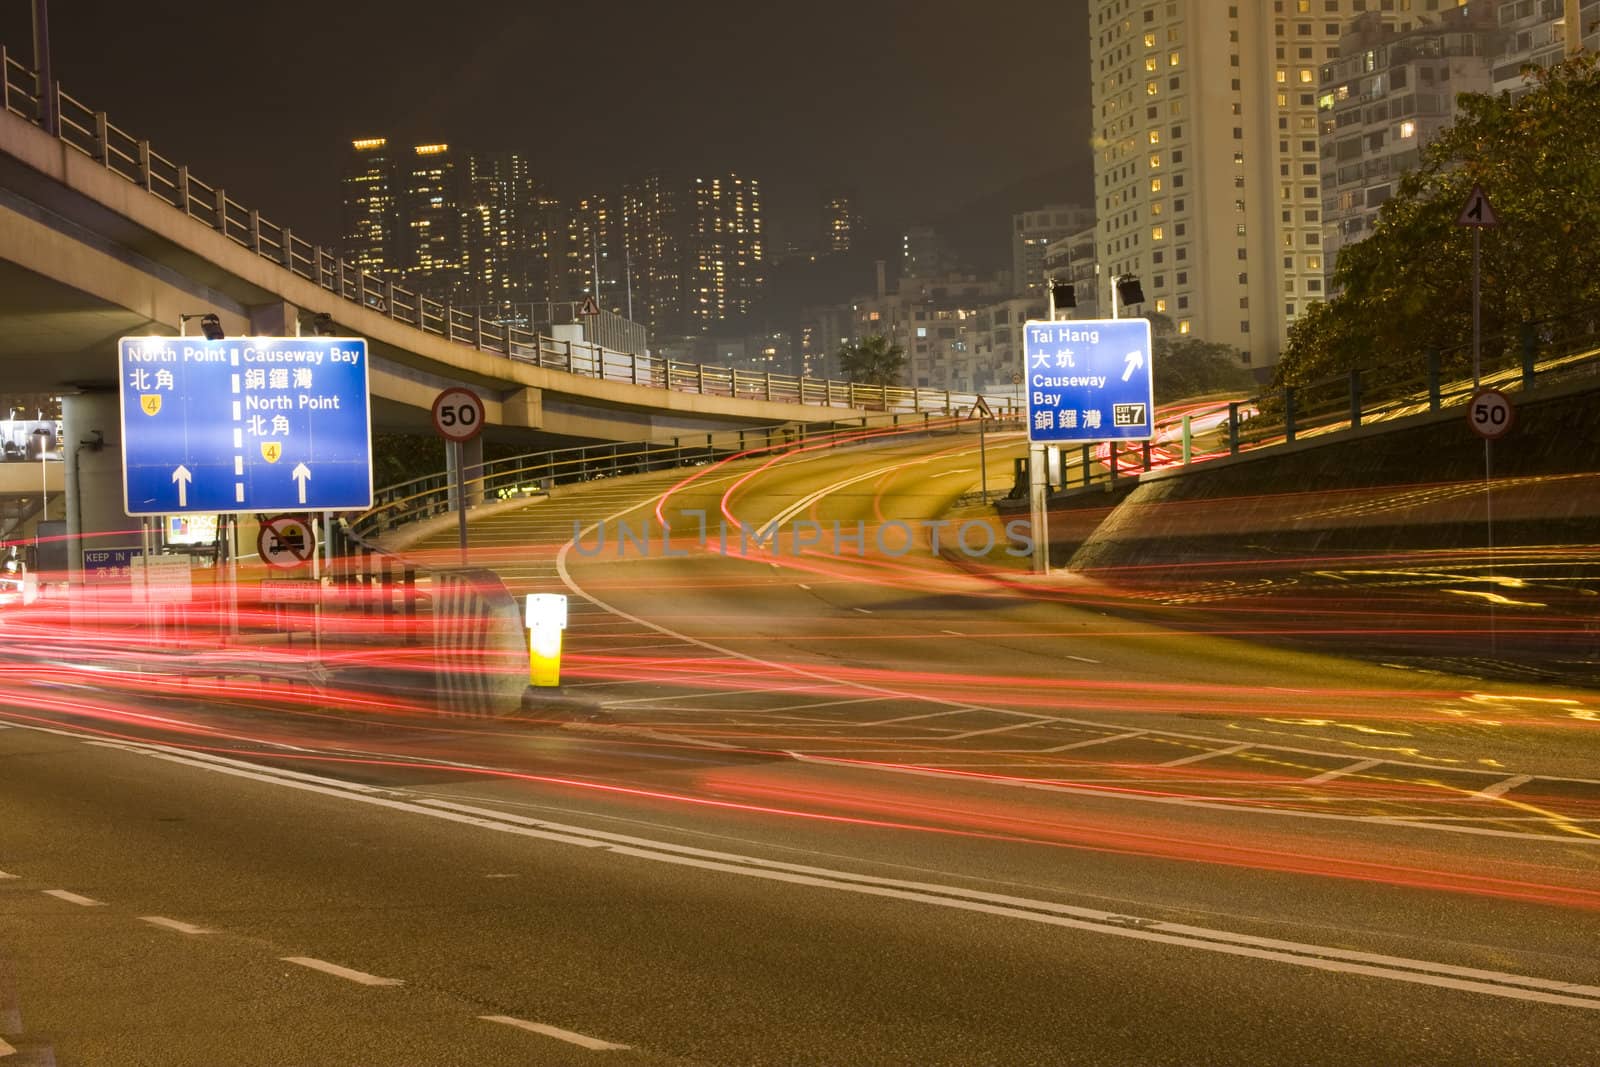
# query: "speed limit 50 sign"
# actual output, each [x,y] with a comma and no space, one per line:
[1490,414]
[458,414]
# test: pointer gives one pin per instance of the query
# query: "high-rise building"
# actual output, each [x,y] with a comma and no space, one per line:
[653,244]
[723,249]
[433,225]
[371,238]
[1388,94]
[1541,33]
[1207,166]
[924,253]
[841,226]
[1031,234]
[506,253]
[1071,260]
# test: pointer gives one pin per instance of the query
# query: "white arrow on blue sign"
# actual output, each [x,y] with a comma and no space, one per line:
[1089,380]
[245,425]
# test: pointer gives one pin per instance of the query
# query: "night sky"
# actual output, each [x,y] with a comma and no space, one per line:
[936,111]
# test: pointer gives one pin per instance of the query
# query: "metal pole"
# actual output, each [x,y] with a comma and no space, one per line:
[461,495]
[1114,278]
[1476,318]
[41,63]
[983,455]
[1038,493]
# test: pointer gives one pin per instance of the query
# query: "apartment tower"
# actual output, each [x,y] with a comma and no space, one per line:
[1207,171]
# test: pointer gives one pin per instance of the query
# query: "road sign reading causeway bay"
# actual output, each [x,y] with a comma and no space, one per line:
[243,425]
[1089,380]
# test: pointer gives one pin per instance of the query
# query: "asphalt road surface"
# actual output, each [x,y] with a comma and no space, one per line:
[807,805]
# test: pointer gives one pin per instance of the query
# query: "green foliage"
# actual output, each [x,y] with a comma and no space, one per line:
[873,361]
[399,457]
[1408,287]
[1187,366]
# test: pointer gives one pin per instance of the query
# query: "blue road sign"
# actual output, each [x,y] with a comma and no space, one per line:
[244,425]
[1089,380]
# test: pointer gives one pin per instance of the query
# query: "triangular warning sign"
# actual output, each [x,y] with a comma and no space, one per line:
[589,307]
[981,409]
[1477,211]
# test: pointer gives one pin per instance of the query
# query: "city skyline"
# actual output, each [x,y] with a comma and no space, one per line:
[805,103]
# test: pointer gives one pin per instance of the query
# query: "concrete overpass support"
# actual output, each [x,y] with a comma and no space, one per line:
[92,450]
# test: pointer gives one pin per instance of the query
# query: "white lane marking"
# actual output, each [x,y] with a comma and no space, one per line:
[1213,754]
[1096,741]
[1319,957]
[173,924]
[1501,788]
[804,586]
[1354,768]
[1083,659]
[997,729]
[916,718]
[1110,793]
[824,704]
[359,977]
[952,633]
[5,1049]
[4,876]
[74,898]
[864,611]
[583,1040]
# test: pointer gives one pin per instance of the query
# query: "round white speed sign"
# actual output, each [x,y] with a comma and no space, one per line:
[458,414]
[1490,414]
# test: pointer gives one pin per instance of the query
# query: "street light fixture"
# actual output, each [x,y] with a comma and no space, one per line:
[210,325]
[1125,289]
[322,325]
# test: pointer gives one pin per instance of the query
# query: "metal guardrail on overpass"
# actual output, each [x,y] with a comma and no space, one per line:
[91,133]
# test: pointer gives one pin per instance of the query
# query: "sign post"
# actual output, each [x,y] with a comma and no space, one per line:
[1487,404]
[458,418]
[1477,215]
[983,413]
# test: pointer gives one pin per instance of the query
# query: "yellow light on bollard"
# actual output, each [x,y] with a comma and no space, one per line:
[547,617]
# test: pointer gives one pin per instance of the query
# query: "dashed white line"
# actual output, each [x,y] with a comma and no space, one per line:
[173,924]
[359,977]
[1502,787]
[74,898]
[1083,659]
[864,611]
[4,876]
[5,1049]
[1096,741]
[1354,768]
[953,633]
[582,1040]
[1213,754]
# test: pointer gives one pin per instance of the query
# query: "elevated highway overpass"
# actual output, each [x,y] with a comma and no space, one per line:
[102,237]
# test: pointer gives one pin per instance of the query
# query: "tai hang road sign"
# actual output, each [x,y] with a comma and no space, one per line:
[1089,380]
[244,425]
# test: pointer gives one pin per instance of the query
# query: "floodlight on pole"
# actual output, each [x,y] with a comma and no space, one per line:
[210,325]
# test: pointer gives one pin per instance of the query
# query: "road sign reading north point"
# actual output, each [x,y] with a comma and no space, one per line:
[1089,380]
[244,425]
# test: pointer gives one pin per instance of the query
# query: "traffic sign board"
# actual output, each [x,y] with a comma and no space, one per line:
[286,542]
[1491,414]
[244,425]
[458,414]
[1477,211]
[1089,380]
[589,308]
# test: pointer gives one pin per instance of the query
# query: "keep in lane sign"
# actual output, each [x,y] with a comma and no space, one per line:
[1089,380]
[244,425]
